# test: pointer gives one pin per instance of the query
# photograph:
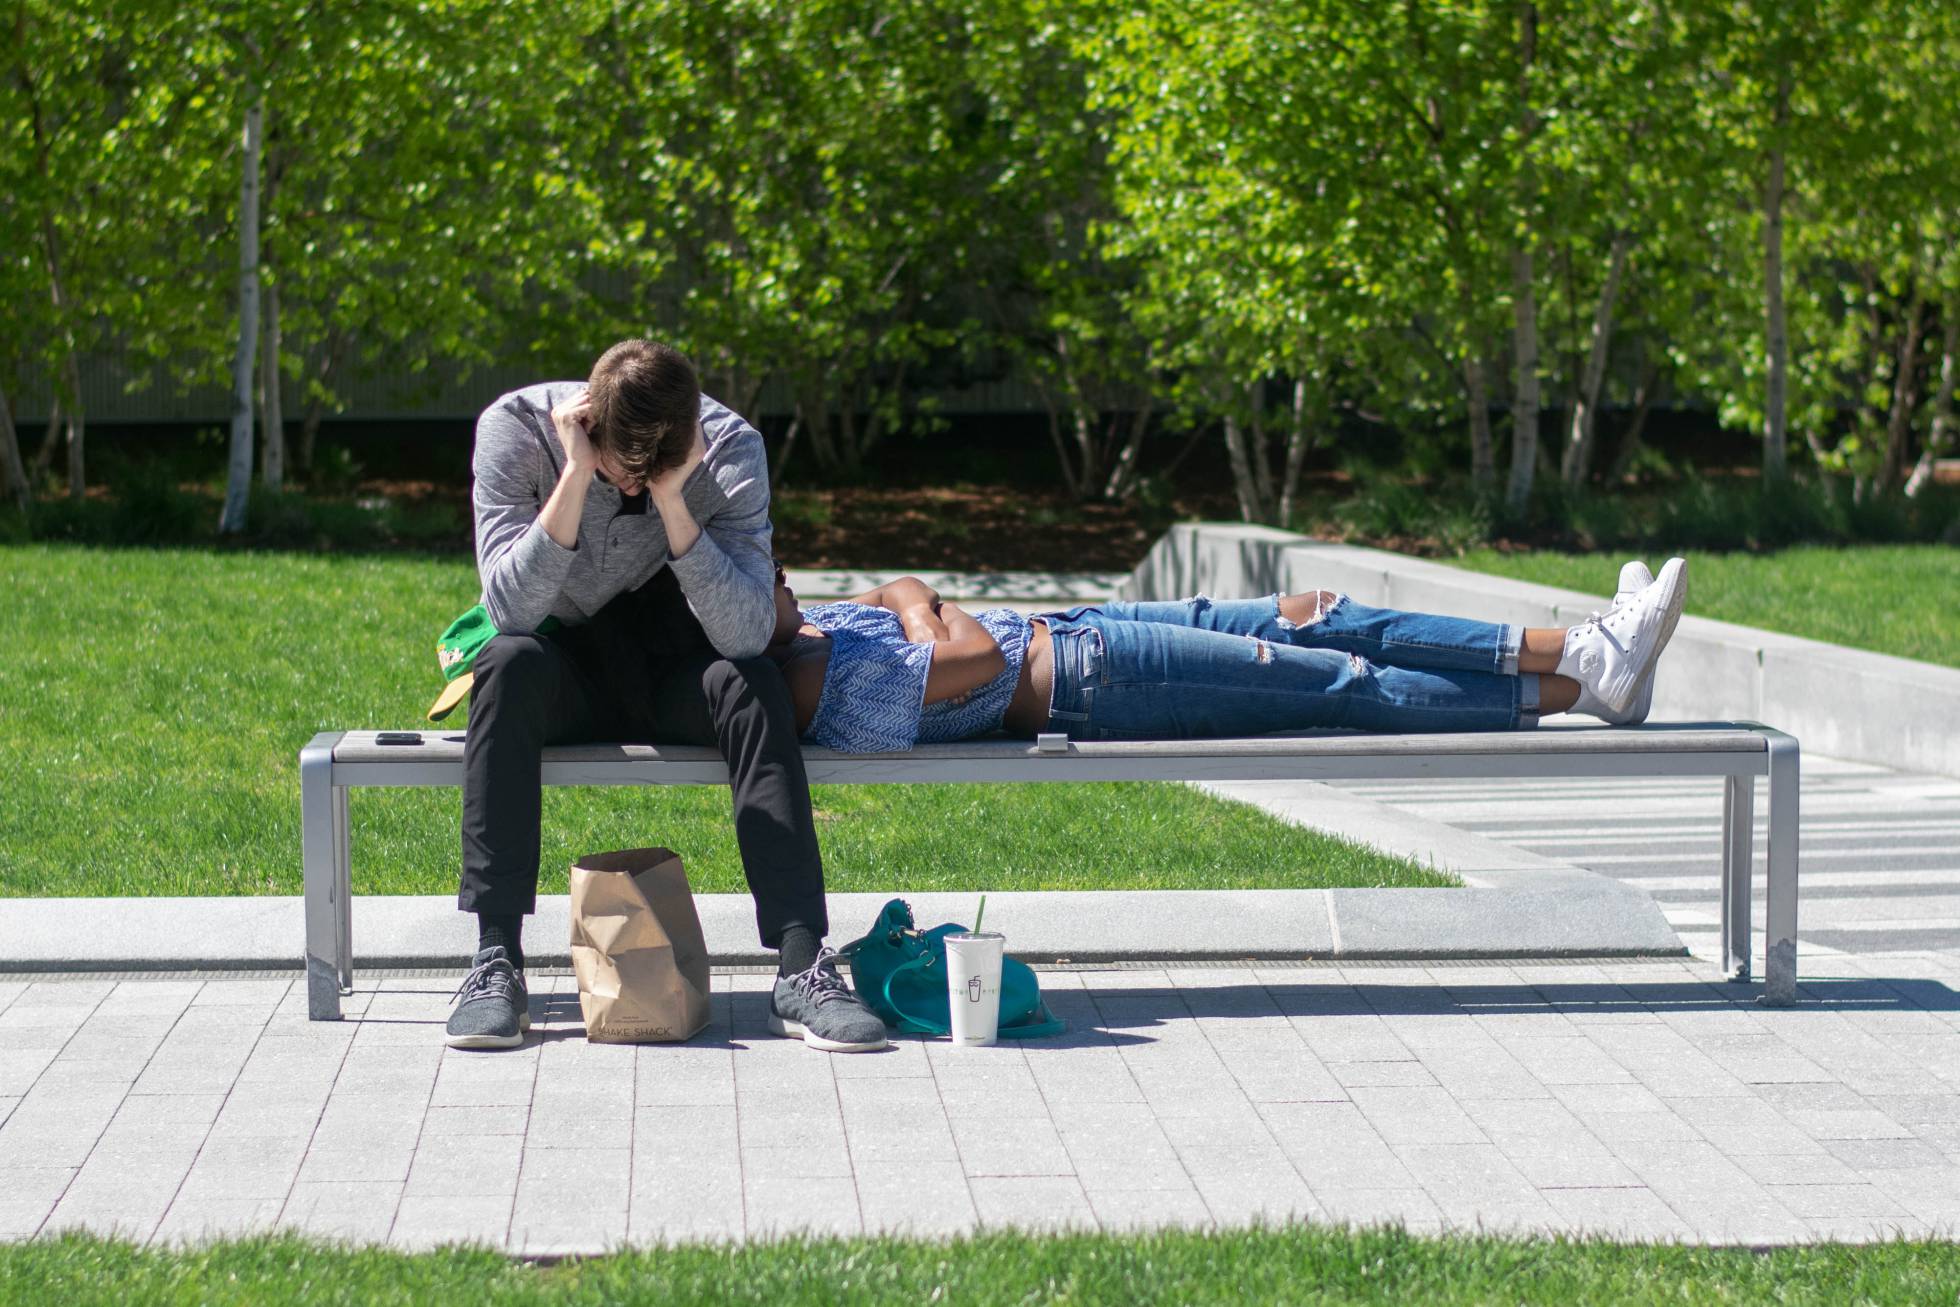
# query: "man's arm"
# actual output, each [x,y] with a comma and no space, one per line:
[723,564]
[524,549]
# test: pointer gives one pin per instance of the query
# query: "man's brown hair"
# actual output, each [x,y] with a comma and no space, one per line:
[646,401]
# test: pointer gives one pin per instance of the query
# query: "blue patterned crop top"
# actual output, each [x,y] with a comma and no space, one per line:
[874,686]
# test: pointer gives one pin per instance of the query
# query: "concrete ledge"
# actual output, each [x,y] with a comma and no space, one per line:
[1518,905]
[1845,703]
[1061,588]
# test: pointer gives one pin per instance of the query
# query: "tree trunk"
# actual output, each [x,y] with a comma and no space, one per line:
[1905,393]
[789,447]
[1262,467]
[1585,404]
[1483,458]
[1069,481]
[1942,429]
[13,475]
[72,419]
[71,406]
[1250,509]
[1298,442]
[272,454]
[238,482]
[1643,403]
[1123,477]
[1775,329]
[50,441]
[316,406]
[1524,404]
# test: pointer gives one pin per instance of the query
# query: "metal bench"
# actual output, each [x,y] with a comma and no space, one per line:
[1737,752]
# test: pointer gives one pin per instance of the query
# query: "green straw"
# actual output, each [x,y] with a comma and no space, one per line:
[981,915]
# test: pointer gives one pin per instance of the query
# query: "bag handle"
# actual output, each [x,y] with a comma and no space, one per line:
[915,1024]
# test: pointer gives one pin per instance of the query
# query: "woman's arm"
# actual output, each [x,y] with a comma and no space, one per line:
[966,659]
[915,603]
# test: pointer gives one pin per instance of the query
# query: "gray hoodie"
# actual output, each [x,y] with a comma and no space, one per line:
[728,576]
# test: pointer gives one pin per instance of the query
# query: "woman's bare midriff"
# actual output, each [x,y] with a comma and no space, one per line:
[1027,712]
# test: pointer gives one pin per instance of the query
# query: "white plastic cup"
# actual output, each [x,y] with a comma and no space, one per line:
[973,986]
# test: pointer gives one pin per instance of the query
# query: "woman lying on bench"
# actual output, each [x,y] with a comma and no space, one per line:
[898,666]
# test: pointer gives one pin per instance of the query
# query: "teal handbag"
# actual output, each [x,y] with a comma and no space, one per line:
[900,973]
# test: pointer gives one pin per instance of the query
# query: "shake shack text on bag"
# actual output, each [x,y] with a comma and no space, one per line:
[637,948]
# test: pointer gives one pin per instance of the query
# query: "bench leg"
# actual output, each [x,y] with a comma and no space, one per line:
[321,830]
[1738,860]
[1780,945]
[344,891]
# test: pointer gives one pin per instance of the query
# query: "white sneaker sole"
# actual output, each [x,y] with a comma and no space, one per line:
[1627,687]
[783,1026]
[493,1041]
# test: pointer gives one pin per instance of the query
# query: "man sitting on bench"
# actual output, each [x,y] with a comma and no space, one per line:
[622,539]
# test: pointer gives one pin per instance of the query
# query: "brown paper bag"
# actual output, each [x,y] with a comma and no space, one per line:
[637,947]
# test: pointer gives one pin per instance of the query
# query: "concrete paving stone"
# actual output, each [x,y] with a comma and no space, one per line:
[1101,1171]
[441,1122]
[424,1222]
[693,1089]
[812,1161]
[1148,1209]
[347,1165]
[868,1098]
[1868,1123]
[1797,1168]
[1528,1127]
[259,995]
[239,1181]
[1632,1214]
[35,1184]
[898,1199]
[357,1211]
[20,1067]
[1233,1126]
[1577,1169]
[1944,1136]
[7,1106]
[1929,1193]
[1334,1144]
[816,1206]
[577,1127]
[1247,1162]
[251,1111]
[1416,1115]
[131,1215]
[23,1218]
[685,1208]
[371,1120]
[1885,1154]
[168,1109]
[809,1129]
[1835,1200]
[908,1135]
[969,1104]
[1376,1075]
[1565,1060]
[905,1057]
[1883,1229]
[475,1083]
[1368,1208]
[217,1218]
[991,1146]
[1172,1096]
[1349,1038]
[1032,1202]
[598,1175]
[1483,1073]
[1743,1126]
[481,1166]
[565,1231]
[1264,1200]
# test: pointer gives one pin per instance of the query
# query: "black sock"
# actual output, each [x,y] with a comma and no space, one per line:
[506,933]
[798,950]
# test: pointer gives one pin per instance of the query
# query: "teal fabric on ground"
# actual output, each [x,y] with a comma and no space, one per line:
[899,972]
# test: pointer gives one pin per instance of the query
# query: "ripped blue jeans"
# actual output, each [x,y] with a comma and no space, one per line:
[1195,668]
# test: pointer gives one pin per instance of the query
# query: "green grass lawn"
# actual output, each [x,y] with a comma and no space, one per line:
[153,703]
[1298,1264]
[1895,599]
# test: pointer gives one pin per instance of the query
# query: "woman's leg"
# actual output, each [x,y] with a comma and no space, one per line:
[1147,680]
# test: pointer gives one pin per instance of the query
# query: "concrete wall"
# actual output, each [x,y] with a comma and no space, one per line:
[1841,702]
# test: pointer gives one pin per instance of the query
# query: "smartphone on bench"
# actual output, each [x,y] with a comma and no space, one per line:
[398,737]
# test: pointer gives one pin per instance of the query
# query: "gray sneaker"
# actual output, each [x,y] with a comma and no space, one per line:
[493,1007]
[820,1007]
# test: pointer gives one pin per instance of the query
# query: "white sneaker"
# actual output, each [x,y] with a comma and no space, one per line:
[1634,577]
[1611,655]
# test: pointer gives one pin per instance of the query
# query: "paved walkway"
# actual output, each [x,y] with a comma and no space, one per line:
[1881,848]
[1637,1099]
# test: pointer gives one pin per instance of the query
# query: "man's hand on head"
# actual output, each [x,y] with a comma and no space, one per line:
[667,485]
[570,418]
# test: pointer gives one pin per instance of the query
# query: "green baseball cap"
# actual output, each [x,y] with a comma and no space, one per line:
[456,653]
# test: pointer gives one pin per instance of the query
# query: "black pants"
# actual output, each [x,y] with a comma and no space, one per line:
[642,672]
